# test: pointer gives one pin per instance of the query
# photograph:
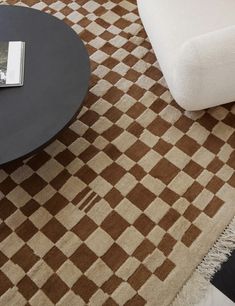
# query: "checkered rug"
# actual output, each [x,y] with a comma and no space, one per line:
[122,207]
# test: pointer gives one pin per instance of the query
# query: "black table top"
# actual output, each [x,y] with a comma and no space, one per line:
[57,73]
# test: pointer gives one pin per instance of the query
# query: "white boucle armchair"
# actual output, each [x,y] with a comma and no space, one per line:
[194,41]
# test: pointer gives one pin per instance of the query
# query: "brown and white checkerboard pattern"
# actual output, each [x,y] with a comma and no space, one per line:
[116,210]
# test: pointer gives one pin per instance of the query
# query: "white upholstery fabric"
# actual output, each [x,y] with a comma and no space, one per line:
[194,41]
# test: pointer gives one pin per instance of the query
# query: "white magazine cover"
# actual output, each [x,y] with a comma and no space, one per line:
[12,63]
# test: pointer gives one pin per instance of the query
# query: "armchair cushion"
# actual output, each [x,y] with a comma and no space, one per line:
[195,44]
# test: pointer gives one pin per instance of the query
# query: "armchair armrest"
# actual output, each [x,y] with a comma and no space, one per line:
[204,72]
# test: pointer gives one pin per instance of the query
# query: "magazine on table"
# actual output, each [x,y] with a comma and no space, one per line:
[12,55]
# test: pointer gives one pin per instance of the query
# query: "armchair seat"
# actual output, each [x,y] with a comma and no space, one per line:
[194,41]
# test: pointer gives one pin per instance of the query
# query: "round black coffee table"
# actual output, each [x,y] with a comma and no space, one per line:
[57,73]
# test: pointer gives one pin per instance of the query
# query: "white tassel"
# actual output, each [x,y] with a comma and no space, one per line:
[196,287]
[192,292]
[219,253]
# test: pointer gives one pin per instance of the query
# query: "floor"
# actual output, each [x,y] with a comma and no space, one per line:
[222,289]
[215,297]
[224,279]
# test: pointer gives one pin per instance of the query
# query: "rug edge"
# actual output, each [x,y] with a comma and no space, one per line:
[195,289]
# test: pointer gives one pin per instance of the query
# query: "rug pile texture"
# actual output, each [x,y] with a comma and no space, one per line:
[122,207]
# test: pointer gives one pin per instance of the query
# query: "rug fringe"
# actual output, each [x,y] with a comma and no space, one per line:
[192,292]
[196,287]
[219,253]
